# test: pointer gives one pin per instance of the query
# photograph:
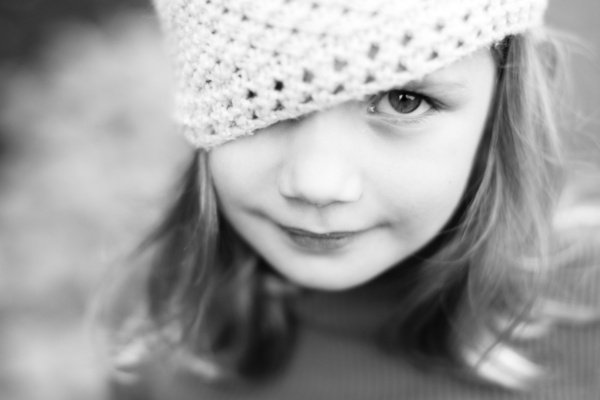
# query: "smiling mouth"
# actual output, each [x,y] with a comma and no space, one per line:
[319,242]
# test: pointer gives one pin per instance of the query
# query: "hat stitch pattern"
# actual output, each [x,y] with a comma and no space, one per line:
[243,65]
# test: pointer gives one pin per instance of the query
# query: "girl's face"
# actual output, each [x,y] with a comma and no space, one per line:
[335,198]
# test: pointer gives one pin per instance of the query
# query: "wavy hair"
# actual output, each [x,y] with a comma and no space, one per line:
[476,287]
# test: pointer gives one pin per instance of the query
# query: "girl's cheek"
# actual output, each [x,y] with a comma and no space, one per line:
[229,180]
[428,180]
[242,166]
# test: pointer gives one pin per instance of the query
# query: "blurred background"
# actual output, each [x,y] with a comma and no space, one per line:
[87,157]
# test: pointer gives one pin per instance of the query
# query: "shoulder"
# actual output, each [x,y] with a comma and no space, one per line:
[571,351]
[579,206]
[158,377]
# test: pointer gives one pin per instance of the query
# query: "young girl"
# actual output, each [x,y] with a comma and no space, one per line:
[368,213]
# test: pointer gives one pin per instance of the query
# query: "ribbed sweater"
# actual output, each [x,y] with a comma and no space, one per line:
[336,358]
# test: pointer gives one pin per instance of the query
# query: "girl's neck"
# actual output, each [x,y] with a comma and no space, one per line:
[359,311]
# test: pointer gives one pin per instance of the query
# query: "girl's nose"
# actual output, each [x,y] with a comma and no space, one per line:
[321,167]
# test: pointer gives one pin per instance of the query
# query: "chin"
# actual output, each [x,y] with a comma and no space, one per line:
[327,282]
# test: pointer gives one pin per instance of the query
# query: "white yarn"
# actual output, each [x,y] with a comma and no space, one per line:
[243,65]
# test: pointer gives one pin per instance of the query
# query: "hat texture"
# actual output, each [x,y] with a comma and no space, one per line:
[242,65]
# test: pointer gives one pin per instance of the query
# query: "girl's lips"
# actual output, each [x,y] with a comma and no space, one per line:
[319,242]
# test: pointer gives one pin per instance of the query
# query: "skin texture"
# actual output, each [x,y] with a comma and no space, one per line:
[390,173]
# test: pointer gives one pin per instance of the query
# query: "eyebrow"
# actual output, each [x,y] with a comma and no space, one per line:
[428,83]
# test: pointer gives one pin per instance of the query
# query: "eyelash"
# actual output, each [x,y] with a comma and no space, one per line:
[398,119]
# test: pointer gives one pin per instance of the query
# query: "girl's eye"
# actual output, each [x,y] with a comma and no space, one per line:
[402,102]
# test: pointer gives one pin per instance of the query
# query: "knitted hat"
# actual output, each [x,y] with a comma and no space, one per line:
[243,65]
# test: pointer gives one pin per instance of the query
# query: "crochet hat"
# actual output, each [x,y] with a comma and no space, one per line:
[243,65]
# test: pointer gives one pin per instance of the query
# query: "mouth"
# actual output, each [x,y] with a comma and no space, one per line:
[320,242]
